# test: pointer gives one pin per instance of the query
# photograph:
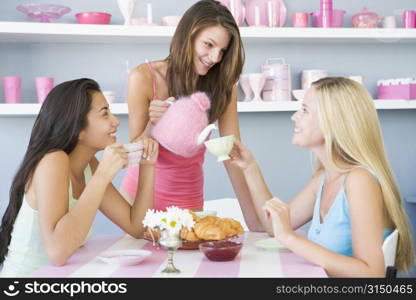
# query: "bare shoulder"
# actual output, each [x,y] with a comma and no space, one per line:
[141,74]
[361,183]
[53,165]
[360,176]
[57,158]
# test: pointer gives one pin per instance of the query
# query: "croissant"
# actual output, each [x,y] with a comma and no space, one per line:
[211,228]
[188,235]
[206,231]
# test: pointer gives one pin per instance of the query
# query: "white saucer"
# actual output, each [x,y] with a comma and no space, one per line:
[124,257]
[270,244]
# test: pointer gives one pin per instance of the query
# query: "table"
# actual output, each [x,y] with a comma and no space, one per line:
[250,262]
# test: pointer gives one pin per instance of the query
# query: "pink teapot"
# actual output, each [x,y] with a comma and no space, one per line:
[184,127]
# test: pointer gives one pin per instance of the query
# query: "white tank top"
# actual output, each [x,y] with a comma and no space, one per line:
[26,253]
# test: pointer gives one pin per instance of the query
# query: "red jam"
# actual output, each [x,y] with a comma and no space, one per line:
[221,251]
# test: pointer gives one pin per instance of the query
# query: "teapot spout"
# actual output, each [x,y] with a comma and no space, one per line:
[204,133]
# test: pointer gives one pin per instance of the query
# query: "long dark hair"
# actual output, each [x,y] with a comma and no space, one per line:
[221,78]
[62,117]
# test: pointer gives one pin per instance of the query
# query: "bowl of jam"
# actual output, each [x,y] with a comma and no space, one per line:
[221,250]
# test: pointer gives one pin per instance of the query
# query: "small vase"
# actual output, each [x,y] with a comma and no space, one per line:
[171,242]
[257,81]
[245,86]
[126,7]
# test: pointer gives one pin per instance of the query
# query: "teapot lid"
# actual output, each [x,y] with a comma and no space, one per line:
[366,13]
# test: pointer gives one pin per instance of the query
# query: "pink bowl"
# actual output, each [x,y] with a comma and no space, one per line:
[93,18]
[337,21]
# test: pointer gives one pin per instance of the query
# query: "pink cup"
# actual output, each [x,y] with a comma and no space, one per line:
[43,86]
[12,86]
[409,19]
[300,19]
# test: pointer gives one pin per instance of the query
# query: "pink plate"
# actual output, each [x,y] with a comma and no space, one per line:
[280,12]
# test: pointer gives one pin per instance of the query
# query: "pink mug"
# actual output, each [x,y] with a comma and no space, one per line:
[300,19]
[12,85]
[409,19]
[43,86]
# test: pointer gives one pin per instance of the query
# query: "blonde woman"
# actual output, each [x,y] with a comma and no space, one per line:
[352,200]
[206,54]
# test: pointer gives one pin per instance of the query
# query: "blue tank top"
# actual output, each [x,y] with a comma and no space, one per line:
[334,233]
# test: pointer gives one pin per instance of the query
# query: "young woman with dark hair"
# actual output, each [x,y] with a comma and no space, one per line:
[60,185]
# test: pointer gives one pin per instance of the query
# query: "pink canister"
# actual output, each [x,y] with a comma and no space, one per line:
[278,80]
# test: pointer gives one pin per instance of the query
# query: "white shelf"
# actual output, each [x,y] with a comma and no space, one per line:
[29,109]
[82,33]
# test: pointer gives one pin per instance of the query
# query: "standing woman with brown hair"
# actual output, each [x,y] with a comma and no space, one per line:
[207,55]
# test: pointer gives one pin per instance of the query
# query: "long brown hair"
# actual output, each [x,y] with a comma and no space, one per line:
[221,78]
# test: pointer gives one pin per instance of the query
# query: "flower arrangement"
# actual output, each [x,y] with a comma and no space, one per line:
[172,220]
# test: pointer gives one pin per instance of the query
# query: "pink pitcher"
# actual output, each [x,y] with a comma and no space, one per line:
[184,126]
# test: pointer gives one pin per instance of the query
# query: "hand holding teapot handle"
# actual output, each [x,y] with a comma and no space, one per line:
[158,107]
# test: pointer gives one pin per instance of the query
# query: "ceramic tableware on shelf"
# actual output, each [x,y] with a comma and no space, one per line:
[221,147]
[337,18]
[326,13]
[310,76]
[12,86]
[357,78]
[271,13]
[257,81]
[278,80]
[43,86]
[365,19]
[43,12]
[237,9]
[245,86]
[389,22]
[409,19]
[299,94]
[300,19]
[127,8]
[92,17]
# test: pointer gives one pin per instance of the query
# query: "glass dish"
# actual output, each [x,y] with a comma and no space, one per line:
[43,12]
[221,250]
[365,19]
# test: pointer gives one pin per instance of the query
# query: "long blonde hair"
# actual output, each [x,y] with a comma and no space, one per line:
[221,78]
[351,129]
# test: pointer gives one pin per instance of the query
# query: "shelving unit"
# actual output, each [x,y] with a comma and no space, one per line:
[82,33]
[33,32]
[29,109]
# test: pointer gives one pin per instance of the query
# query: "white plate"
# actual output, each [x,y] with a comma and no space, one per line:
[126,257]
[204,213]
[270,244]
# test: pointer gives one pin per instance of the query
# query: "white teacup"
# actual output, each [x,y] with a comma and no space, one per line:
[221,147]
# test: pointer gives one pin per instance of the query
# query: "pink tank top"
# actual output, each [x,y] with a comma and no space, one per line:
[179,180]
